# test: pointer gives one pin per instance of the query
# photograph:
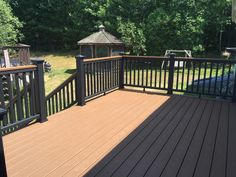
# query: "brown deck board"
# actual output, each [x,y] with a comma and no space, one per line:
[129,134]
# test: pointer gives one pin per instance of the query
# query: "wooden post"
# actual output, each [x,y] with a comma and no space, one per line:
[171,73]
[3,170]
[80,80]
[121,74]
[6,58]
[40,90]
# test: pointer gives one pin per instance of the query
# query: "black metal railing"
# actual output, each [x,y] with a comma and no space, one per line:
[146,72]
[101,75]
[63,97]
[213,77]
[21,96]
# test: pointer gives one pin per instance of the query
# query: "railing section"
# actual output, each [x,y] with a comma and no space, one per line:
[18,97]
[101,75]
[146,72]
[213,77]
[62,97]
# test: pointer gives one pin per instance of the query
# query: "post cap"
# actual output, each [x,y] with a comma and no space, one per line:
[172,54]
[37,60]
[79,57]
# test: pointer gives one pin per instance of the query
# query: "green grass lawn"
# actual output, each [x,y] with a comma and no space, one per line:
[63,65]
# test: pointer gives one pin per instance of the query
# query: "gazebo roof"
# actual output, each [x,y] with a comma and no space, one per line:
[100,38]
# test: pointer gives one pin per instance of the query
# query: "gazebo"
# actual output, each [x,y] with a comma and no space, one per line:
[100,44]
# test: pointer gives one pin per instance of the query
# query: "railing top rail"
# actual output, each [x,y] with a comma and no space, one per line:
[102,59]
[17,69]
[219,60]
[144,57]
[61,86]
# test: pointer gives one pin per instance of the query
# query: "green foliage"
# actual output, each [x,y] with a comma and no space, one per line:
[9,25]
[133,37]
[147,26]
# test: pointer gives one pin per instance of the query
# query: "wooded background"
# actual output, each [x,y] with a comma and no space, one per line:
[146,26]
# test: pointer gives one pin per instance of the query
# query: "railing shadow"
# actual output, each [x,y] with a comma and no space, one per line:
[134,135]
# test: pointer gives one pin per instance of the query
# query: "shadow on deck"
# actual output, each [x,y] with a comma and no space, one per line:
[129,134]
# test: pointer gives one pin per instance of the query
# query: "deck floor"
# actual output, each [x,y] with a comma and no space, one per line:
[129,134]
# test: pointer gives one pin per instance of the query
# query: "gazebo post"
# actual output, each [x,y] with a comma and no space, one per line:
[95,51]
[111,51]
[80,49]
[91,47]
[108,51]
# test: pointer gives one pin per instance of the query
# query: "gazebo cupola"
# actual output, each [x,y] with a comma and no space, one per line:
[100,44]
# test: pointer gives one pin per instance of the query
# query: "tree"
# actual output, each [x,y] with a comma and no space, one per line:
[173,27]
[147,26]
[133,37]
[9,25]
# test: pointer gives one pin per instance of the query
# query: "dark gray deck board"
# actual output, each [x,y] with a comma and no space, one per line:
[157,166]
[203,165]
[219,159]
[189,163]
[231,162]
[188,137]
[176,159]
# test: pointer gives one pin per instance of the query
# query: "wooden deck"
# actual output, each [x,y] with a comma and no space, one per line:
[129,134]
